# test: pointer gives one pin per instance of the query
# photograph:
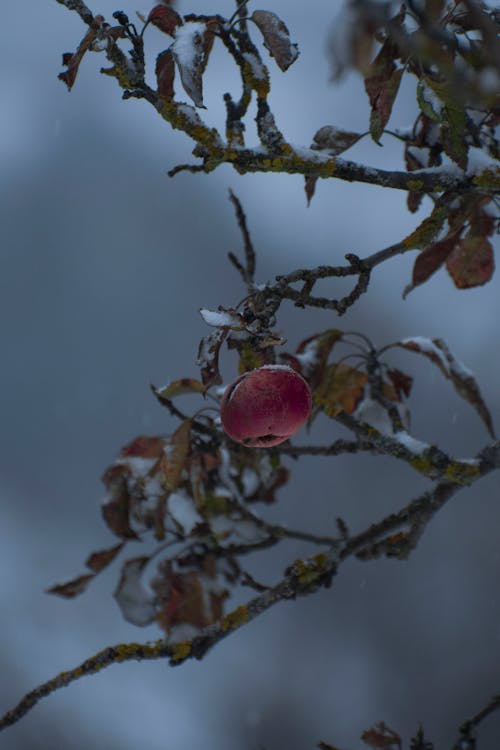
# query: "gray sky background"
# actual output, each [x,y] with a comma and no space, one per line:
[104,264]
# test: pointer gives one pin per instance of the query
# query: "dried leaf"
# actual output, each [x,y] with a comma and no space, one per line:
[97,561]
[180,387]
[402,383]
[136,601]
[191,48]
[430,260]
[165,74]
[471,263]
[173,460]
[382,85]
[72,61]
[413,200]
[381,737]
[144,447]
[437,351]
[192,597]
[116,506]
[165,18]
[208,357]
[439,102]
[276,38]
[341,389]
[71,588]
[335,140]
[313,353]
[310,186]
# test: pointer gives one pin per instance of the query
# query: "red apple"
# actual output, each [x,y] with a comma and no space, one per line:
[264,407]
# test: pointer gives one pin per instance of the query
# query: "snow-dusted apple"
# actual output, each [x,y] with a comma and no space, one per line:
[264,407]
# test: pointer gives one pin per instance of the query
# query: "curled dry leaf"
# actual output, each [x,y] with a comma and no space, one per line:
[71,588]
[401,382]
[382,85]
[179,388]
[173,459]
[165,74]
[276,38]
[429,261]
[382,737]
[341,389]
[208,357]
[189,594]
[437,351]
[334,140]
[165,18]
[72,60]
[116,506]
[97,561]
[310,186]
[471,263]
[312,354]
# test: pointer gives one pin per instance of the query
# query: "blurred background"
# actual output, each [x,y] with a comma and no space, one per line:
[105,262]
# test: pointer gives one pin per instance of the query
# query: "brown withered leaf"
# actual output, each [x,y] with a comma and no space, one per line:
[144,446]
[276,38]
[313,353]
[173,460]
[180,387]
[413,200]
[482,224]
[381,737]
[115,509]
[465,385]
[72,588]
[382,85]
[72,60]
[402,383]
[430,260]
[341,389]
[437,351]
[165,18]
[334,140]
[208,357]
[471,263]
[97,561]
[188,597]
[165,74]
[310,186]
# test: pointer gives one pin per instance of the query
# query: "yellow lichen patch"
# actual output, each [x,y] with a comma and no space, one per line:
[180,651]
[462,473]
[423,465]
[427,230]
[308,571]
[235,619]
[415,185]
[127,651]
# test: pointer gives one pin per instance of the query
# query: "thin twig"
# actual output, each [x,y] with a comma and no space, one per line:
[247,240]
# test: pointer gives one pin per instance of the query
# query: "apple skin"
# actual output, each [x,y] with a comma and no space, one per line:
[264,407]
